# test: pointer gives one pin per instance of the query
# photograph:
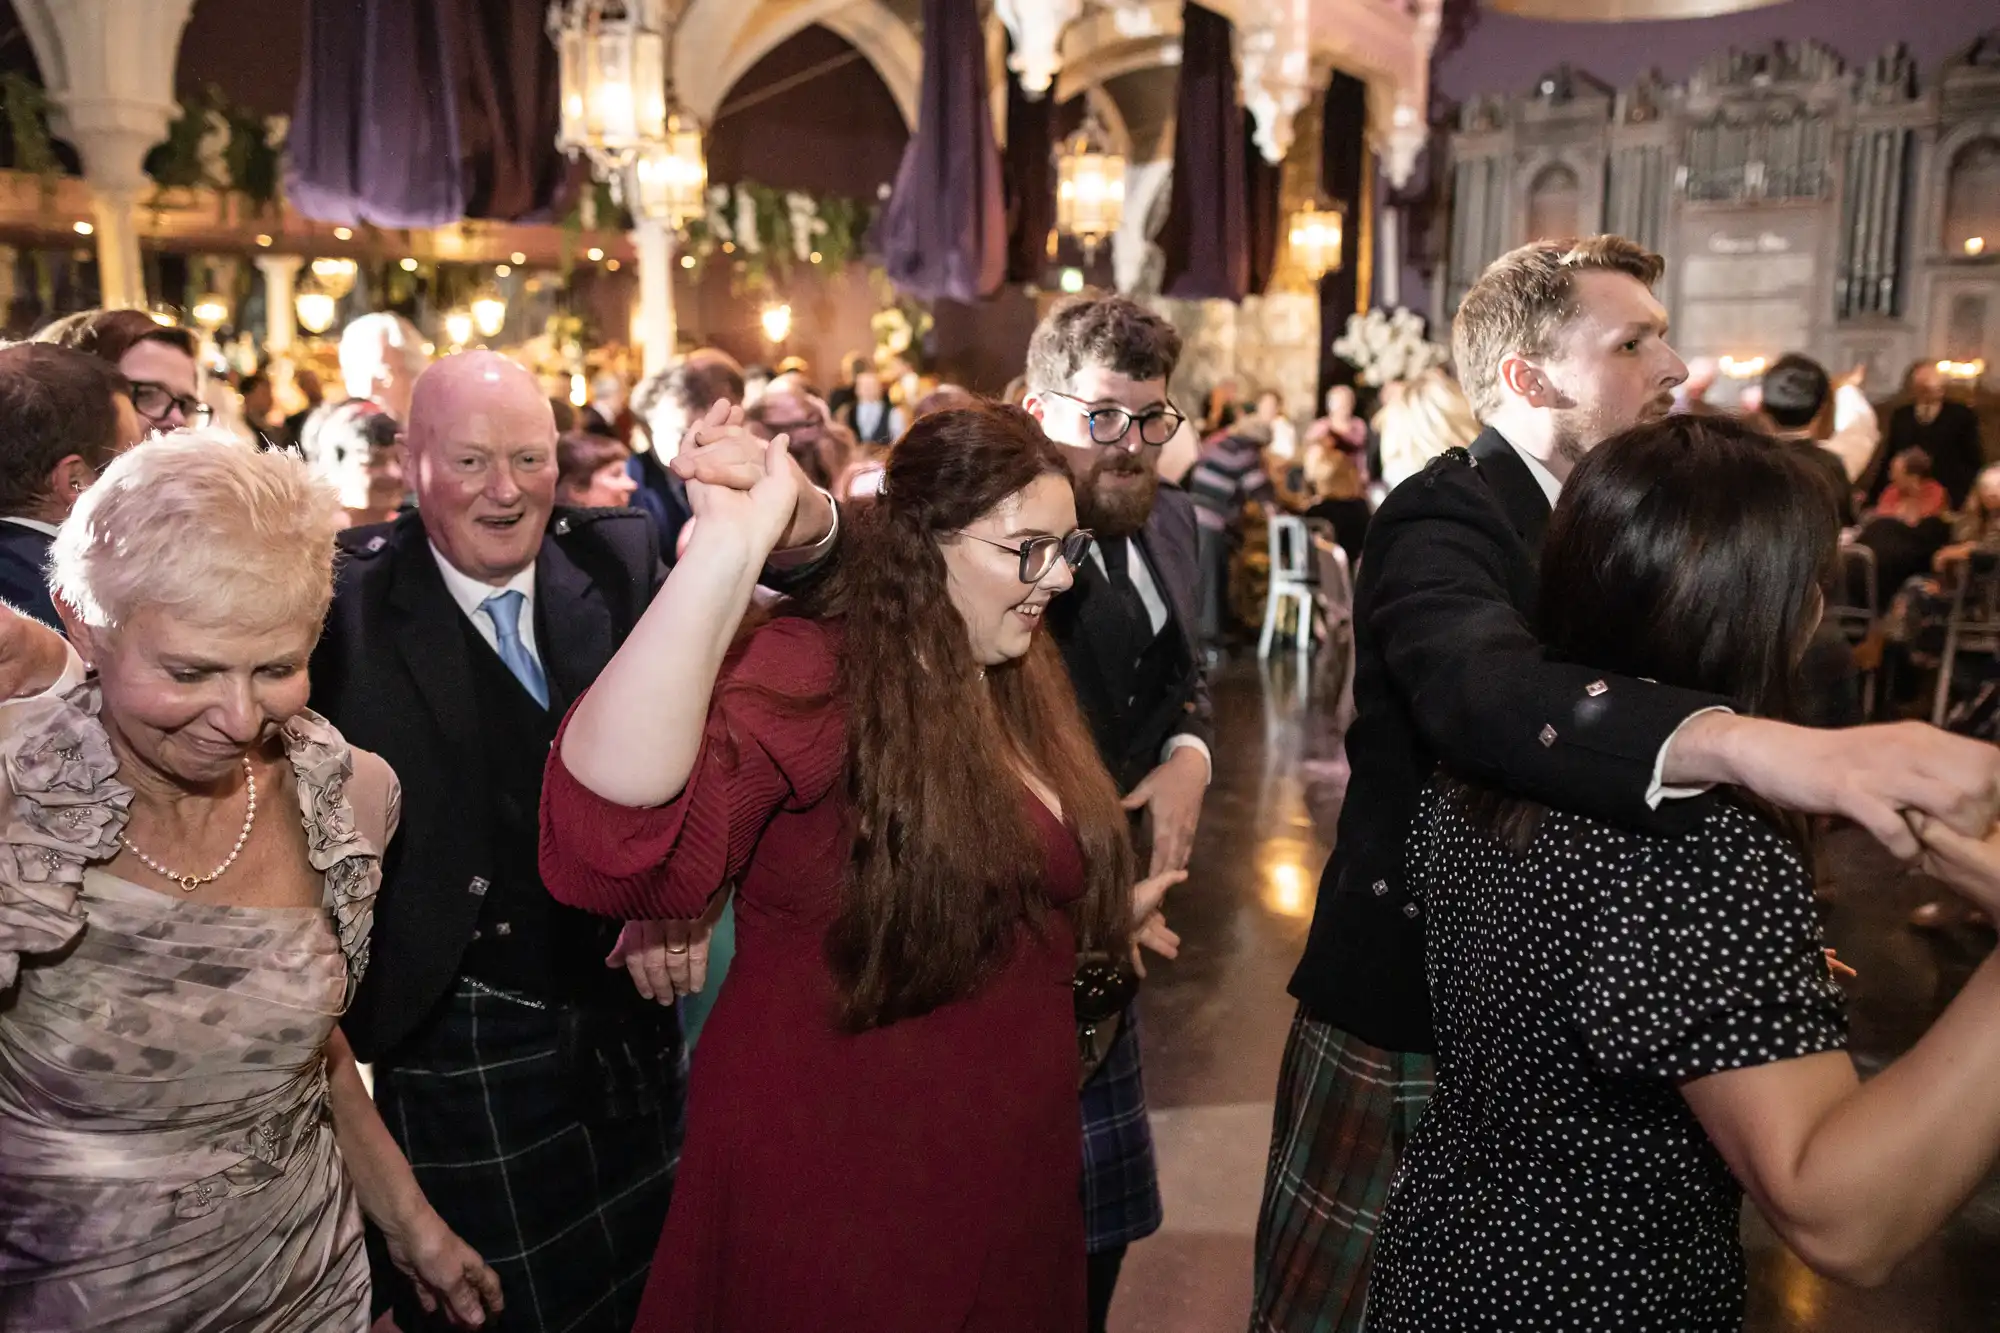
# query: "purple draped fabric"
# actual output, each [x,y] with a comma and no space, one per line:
[1029,166]
[944,230]
[1343,159]
[1263,209]
[1206,239]
[418,113]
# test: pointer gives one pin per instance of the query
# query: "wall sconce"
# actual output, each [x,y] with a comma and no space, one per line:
[1962,370]
[211,311]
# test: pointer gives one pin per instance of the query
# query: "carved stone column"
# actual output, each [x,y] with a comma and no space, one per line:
[654,242]
[281,326]
[109,68]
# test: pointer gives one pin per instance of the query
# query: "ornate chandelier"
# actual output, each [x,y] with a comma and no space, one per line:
[335,276]
[612,61]
[1316,237]
[1090,187]
[670,178]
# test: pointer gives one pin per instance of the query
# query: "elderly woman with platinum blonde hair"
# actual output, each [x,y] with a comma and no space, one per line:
[188,865]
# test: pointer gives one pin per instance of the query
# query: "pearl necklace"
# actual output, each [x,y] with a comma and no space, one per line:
[189,883]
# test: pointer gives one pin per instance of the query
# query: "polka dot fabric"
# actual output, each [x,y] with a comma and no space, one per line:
[1558,1180]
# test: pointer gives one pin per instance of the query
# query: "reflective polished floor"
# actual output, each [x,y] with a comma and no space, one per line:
[1214,1027]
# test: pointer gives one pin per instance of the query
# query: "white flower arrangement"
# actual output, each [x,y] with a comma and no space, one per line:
[720,200]
[892,331]
[747,239]
[807,225]
[1388,345]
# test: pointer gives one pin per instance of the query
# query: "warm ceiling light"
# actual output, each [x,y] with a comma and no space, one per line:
[1090,187]
[611,64]
[1742,367]
[263,239]
[211,311]
[1316,240]
[409,266]
[518,258]
[489,312]
[817,257]
[503,271]
[611,264]
[579,391]
[594,254]
[670,178]
[343,233]
[1975,245]
[315,307]
[458,327]
[687,261]
[777,321]
[336,275]
[83,229]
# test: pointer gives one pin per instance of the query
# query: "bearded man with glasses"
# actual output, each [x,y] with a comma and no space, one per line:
[1097,381]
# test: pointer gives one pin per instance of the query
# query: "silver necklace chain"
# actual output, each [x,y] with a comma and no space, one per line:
[189,883]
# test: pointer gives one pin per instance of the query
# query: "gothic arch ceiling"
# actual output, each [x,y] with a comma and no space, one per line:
[717,41]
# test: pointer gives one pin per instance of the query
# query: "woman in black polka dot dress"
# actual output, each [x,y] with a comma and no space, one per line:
[1622,1019]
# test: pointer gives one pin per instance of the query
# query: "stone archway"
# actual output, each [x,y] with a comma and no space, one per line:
[717,42]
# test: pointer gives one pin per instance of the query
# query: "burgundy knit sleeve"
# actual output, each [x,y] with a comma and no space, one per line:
[764,749]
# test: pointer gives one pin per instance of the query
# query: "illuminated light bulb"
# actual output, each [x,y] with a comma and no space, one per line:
[409,266]
[777,321]
[518,258]
[343,233]
[579,391]
[83,229]
[594,254]
[458,327]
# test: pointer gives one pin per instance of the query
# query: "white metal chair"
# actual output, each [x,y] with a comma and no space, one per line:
[1291,585]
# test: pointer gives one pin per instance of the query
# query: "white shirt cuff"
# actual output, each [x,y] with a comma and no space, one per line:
[798,557]
[1187,742]
[1657,791]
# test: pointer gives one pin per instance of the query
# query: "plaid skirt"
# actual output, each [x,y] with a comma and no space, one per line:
[1345,1112]
[1121,1180]
[566,1204]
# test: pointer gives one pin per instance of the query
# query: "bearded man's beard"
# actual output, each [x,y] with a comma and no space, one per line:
[1116,499]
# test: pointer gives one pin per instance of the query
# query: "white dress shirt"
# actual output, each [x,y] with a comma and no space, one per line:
[471,594]
[1656,790]
[1856,431]
[1156,615]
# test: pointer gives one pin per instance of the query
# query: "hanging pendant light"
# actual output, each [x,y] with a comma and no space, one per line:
[335,276]
[1090,187]
[489,312]
[315,306]
[670,178]
[1317,235]
[612,63]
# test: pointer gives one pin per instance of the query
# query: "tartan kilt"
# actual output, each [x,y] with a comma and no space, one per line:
[1345,1112]
[1121,1182]
[567,1210]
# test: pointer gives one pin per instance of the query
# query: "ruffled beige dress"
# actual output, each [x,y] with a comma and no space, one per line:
[167,1159]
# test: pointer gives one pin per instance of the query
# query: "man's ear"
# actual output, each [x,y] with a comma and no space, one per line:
[1525,381]
[1035,406]
[69,478]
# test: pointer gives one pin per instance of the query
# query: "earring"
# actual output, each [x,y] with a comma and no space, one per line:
[76,486]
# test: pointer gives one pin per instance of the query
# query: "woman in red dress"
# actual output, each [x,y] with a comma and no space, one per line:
[881,1129]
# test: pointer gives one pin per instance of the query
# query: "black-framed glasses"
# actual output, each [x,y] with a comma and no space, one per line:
[153,401]
[1113,425]
[1039,554]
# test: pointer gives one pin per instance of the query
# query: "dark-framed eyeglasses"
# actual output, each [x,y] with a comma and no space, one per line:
[1039,554]
[155,401]
[1113,425]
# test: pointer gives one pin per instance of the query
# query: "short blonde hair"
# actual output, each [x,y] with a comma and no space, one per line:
[205,526]
[1431,416]
[1525,298]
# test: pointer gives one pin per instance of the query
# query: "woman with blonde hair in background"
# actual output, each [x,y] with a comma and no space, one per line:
[1430,416]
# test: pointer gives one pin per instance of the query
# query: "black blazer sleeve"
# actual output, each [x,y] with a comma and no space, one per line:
[1485,695]
[1179,528]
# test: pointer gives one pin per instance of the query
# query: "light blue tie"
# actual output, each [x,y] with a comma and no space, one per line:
[504,610]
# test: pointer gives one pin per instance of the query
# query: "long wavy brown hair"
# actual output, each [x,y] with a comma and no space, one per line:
[947,857]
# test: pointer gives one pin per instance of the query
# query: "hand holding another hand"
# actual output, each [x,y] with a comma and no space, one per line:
[1969,866]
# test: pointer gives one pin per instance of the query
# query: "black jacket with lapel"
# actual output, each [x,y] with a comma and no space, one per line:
[1133,750]
[24,573]
[1448,670]
[392,672]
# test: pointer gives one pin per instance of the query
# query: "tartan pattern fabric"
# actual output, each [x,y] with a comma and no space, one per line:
[1121,1183]
[1345,1112]
[567,1211]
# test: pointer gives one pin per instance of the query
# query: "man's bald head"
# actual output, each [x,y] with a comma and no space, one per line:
[482,444]
[470,391]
